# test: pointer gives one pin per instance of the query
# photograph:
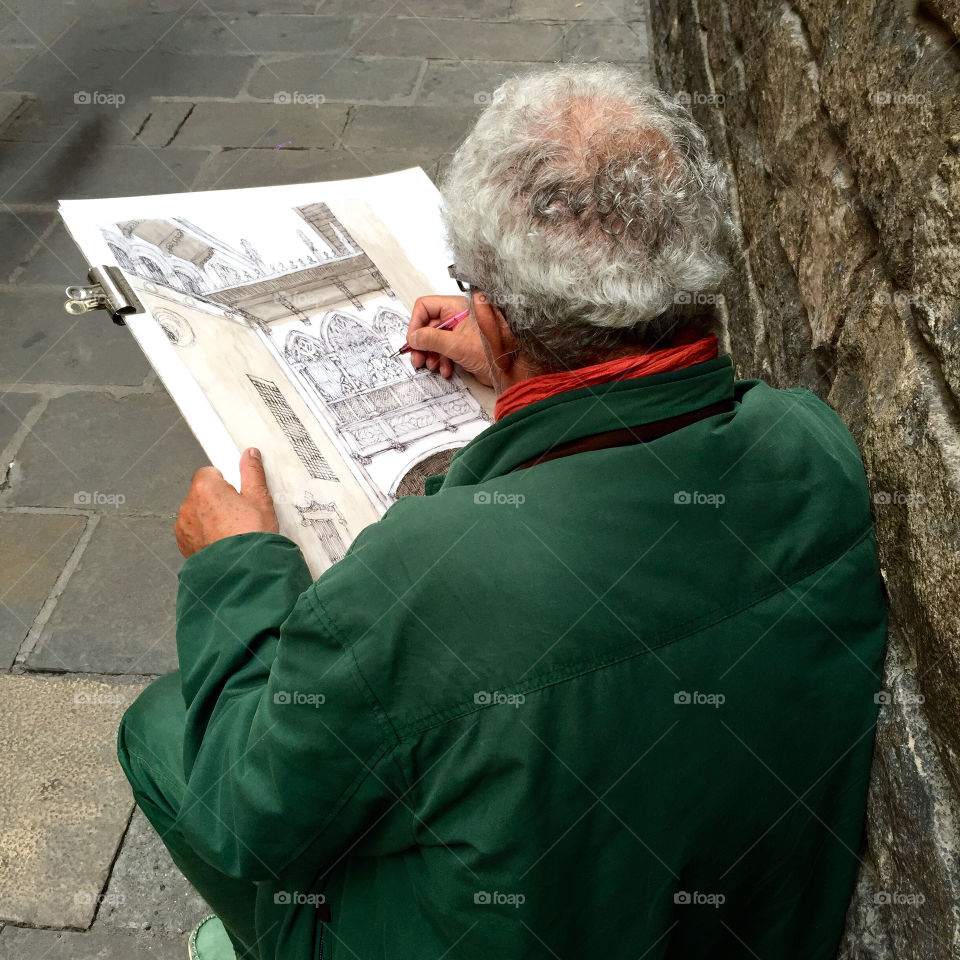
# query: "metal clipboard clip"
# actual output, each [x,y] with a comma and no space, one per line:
[108,291]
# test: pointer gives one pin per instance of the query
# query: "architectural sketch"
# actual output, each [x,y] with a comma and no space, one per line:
[375,401]
[178,254]
[294,430]
[327,523]
[302,310]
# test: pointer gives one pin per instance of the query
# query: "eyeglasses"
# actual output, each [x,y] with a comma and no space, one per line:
[462,282]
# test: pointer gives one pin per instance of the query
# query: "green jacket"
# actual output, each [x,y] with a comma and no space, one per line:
[620,704]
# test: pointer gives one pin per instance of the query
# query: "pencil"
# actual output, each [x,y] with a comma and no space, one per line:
[446,325]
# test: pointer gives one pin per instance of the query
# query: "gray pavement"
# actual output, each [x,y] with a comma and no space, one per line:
[94,457]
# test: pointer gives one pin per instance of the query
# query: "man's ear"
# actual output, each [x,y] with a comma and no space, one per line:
[499,337]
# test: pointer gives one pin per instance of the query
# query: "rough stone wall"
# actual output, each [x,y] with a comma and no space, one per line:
[841,126]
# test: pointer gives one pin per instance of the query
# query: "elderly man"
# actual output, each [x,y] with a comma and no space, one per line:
[608,690]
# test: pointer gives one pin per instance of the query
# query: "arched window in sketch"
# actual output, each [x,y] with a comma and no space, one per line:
[149,270]
[120,255]
[375,401]
[413,481]
[390,323]
[187,283]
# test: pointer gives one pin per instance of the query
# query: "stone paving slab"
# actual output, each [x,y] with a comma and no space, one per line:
[134,449]
[34,548]
[116,614]
[78,62]
[47,119]
[215,125]
[14,408]
[436,129]
[44,344]
[162,122]
[569,9]
[375,9]
[147,892]
[618,42]
[12,59]
[21,232]
[461,39]
[261,168]
[449,82]
[341,78]
[34,23]
[21,944]
[59,827]
[78,166]
[57,262]
[261,34]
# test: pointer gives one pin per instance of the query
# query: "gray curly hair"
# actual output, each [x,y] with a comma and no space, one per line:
[583,203]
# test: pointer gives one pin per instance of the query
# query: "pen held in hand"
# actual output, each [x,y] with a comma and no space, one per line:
[446,325]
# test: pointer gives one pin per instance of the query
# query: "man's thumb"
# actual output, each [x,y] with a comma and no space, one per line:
[253,481]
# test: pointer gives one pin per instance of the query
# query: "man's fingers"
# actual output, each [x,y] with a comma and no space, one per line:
[432,340]
[253,481]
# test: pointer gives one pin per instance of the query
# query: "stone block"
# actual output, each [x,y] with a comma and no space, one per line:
[120,455]
[336,78]
[64,801]
[116,614]
[376,9]
[262,125]
[607,42]
[461,39]
[14,410]
[147,892]
[35,548]
[263,168]
[244,32]
[22,232]
[80,167]
[24,944]
[44,344]
[452,83]
[431,128]
[563,10]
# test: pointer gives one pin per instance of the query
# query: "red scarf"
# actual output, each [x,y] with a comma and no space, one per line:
[624,368]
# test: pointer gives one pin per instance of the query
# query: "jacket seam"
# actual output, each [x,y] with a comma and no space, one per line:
[350,648]
[617,654]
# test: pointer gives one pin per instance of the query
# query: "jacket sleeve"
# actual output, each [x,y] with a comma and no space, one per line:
[287,754]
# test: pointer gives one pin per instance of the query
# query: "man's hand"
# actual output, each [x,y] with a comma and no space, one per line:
[441,349]
[214,510]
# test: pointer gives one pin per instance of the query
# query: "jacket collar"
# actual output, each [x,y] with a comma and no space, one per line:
[582,412]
